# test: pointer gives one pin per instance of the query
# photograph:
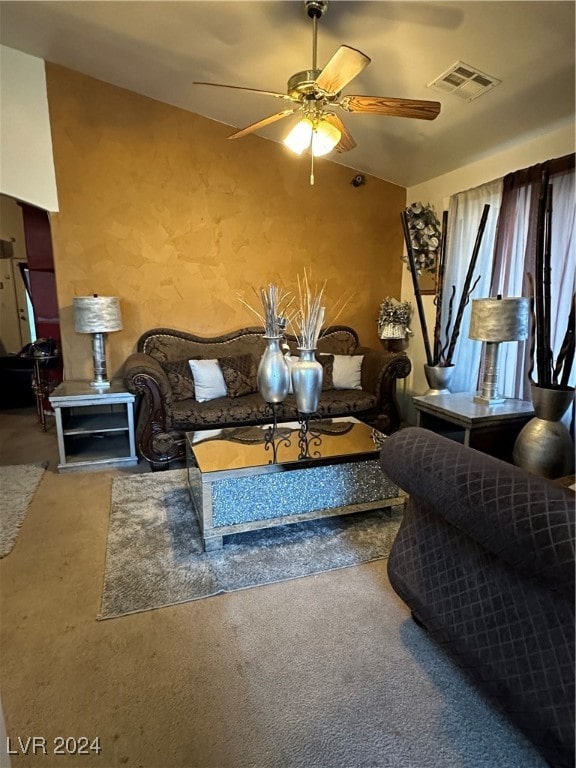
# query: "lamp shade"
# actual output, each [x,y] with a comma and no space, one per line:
[499,320]
[97,314]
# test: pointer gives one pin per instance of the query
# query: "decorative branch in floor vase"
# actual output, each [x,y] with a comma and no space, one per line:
[416,285]
[468,288]
[565,359]
[549,373]
[437,345]
[542,283]
[443,354]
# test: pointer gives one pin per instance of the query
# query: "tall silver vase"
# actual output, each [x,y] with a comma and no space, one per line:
[438,378]
[544,445]
[273,375]
[307,375]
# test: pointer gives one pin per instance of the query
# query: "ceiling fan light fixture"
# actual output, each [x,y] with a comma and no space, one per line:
[324,138]
[322,135]
[315,93]
[300,136]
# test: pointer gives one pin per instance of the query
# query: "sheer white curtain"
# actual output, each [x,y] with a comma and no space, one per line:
[516,259]
[464,215]
[563,261]
[509,279]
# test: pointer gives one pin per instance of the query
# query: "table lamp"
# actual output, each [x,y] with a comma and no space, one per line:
[97,315]
[493,321]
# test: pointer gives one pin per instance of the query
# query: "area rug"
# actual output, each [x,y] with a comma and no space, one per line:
[155,558]
[18,484]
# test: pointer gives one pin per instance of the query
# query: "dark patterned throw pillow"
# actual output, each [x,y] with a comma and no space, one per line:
[180,378]
[239,373]
[327,362]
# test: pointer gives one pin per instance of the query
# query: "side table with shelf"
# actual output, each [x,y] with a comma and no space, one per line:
[492,429]
[95,426]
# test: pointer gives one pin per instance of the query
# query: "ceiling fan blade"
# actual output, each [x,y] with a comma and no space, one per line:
[341,69]
[250,90]
[381,105]
[262,123]
[346,142]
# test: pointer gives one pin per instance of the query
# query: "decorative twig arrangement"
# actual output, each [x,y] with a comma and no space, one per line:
[443,354]
[416,286]
[276,309]
[439,294]
[306,319]
[548,373]
[310,316]
[565,359]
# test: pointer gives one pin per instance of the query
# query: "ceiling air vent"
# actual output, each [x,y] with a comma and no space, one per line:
[464,81]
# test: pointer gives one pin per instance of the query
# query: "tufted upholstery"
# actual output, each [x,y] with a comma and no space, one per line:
[157,374]
[485,559]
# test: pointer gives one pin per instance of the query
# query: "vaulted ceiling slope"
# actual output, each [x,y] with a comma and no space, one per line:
[159,48]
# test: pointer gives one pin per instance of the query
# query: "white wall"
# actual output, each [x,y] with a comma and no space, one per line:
[26,160]
[437,192]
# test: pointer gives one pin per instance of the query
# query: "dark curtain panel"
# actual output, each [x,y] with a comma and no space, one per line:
[520,196]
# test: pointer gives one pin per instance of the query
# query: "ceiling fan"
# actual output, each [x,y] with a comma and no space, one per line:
[315,93]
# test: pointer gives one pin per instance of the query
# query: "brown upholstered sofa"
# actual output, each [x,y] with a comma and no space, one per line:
[158,373]
[484,558]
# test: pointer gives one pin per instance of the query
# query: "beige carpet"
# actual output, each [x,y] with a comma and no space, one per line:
[327,670]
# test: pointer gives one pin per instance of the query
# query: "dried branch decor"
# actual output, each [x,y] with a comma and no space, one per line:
[276,311]
[310,316]
[548,373]
[304,313]
[443,353]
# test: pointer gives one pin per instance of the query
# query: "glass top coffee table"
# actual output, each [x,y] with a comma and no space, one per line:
[241,479]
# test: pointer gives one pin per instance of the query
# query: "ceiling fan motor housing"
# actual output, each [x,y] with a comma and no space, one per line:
[316,8]
[303,83]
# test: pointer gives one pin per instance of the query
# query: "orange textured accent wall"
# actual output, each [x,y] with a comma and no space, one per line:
[157,208]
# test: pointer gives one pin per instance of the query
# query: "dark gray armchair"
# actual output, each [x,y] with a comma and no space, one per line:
[484,558]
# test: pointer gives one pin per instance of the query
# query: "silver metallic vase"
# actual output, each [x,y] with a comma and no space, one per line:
[273,375]
[438,378]
[544,445]
[307,375]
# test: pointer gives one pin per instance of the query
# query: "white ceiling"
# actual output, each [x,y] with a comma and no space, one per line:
[159,48]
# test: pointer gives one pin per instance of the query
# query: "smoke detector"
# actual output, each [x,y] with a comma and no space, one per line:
[464,81]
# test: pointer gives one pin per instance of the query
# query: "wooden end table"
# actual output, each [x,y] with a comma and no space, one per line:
[492,429]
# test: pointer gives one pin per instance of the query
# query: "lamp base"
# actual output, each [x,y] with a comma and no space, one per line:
[481,400]
[101,380]
[489,390]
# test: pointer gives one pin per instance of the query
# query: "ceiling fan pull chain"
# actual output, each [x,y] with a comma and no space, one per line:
[311,167]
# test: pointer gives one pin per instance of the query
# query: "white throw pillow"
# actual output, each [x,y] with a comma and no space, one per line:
[346,373]
[208,380]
